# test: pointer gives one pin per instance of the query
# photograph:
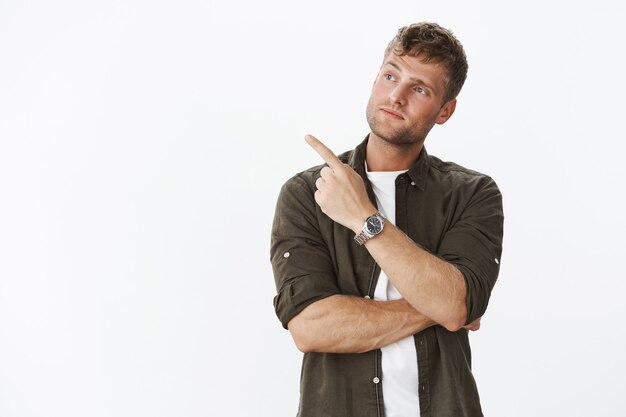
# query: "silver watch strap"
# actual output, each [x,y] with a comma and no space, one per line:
[362,237]
[365,235]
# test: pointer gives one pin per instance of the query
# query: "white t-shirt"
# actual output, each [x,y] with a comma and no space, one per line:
[399,360]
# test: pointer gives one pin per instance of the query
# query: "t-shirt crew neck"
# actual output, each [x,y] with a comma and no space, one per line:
[400,375]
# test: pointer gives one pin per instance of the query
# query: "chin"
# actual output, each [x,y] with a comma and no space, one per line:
[400,141]
[394,136]
[398,138]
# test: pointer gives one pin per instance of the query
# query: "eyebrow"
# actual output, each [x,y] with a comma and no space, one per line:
[416,80]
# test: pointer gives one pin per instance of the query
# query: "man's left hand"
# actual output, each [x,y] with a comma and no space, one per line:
[340,191]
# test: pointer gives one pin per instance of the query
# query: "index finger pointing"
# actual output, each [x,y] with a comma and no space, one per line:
[327,155]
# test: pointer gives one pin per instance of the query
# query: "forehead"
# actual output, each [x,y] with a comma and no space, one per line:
[432,73]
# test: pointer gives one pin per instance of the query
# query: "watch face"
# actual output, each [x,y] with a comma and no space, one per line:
[374,225]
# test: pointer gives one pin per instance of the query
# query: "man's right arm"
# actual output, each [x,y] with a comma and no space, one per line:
[348,324]
[309,302]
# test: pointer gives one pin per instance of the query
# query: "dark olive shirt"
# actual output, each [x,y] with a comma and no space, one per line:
[454,213]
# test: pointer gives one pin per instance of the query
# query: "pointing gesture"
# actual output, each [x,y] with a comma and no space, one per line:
[340,191]
[327,155]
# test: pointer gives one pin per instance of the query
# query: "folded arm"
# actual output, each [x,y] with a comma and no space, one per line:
[348,324]
[429,283]
[450,294]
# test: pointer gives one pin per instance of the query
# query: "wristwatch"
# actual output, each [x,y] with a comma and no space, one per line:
[374,224]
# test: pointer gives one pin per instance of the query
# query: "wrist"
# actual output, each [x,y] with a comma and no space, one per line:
[359,221]
[372,227]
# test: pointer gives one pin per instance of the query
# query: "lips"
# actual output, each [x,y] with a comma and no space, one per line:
[392,113]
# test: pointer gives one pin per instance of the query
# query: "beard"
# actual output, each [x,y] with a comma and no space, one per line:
[405,135]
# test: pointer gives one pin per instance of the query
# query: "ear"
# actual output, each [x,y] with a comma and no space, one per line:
[446,112]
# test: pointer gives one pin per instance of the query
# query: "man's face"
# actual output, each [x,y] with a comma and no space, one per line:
[407,100]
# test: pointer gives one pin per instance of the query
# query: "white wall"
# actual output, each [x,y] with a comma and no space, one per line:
[142,146]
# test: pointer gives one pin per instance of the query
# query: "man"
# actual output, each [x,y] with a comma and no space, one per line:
[385,256]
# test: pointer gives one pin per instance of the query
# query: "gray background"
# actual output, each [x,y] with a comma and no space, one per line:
[142,147]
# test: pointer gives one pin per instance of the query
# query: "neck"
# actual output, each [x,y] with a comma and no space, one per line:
[384,156]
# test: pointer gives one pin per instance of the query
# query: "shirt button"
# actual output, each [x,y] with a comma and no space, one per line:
[376,380]
[412,182]
[497,261]
[368,297]
[286,255]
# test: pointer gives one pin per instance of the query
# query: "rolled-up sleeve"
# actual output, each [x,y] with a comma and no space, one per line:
[303,268]
[474,245]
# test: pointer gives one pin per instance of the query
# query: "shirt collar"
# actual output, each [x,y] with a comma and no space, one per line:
[418,171]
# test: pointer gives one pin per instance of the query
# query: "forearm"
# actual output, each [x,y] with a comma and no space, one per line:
[347,324]
[428,283]
[433,286]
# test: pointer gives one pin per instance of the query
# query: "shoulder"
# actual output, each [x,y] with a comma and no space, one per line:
[302,182]
[457,176]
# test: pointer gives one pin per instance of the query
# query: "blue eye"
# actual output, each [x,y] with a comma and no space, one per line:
[420,90]
[388,77]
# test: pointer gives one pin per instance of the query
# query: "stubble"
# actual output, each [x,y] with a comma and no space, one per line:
[401,136]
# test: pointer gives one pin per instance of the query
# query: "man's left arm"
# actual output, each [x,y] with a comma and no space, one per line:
[453,290]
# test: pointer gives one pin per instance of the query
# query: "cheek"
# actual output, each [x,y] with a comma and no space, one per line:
[379,90]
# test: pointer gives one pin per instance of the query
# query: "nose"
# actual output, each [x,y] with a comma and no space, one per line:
[398,94]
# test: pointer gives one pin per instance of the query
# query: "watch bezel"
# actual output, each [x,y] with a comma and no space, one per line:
[374,224]
[365,233]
